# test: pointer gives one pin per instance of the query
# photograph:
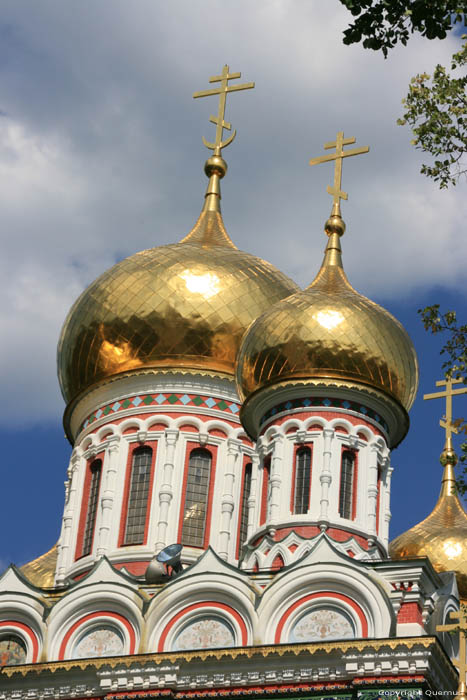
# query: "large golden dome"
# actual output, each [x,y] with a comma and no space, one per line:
[442,536]
[185,305]
[331,332]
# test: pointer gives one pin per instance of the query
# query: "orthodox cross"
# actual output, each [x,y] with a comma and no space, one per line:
[222,91]
[460,664]
[446,421]
[338,155]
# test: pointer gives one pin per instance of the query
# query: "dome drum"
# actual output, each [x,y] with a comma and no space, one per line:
[388,415]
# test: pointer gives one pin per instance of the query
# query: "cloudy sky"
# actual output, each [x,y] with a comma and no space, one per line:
[101,156]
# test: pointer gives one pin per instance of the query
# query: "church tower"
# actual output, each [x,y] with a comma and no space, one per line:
[146,362]
[327,377]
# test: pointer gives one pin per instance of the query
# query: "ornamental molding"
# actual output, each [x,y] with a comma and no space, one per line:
[264,399]
[119,388]
[349,664]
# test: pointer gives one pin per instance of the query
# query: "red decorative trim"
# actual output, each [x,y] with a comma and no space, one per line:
[410,612]
[27,631]
[371,680]
[137,568]
[278,563]
[322,594]
[275,689]
[85,503]
[216,432]
[190,446]
[113,420]
[259,690]
[91,616]
[196,606]
[264,491]
[294,474]
[326,415]
[246,461]
[130,429]
[310,531]
[126,493]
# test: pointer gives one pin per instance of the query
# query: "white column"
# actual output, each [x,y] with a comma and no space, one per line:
[387,503]
[276,479]
[69,512]
[108,495]
[325,478]
[372,491]
[227,502]
[166,490]
[253,501]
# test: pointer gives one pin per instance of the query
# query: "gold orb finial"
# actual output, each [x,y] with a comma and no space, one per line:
[335,224]
[215,165]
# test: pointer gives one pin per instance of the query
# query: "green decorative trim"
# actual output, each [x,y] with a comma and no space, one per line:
[163,399]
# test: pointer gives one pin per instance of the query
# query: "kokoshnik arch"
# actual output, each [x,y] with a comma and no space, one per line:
[210,402]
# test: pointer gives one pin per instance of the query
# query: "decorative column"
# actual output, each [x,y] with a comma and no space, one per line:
[227,502]
[67,522]
[276,478]
[387,502]
[166,491]
[253,500]
[107,499]
[372,492]
[325,478]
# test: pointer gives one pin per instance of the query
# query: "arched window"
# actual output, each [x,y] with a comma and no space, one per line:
[196,498]
[96,470]
[244,506]
[347,485]
[302,480]
[138,496]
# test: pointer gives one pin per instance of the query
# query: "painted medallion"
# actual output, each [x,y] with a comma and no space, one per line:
[322,623]
[99,641]
[12,651]
[205,633]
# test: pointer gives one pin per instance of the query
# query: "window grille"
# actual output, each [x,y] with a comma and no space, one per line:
[196,498]
[96,469]
[244,506]
[138,497]
[302,480]
[346,485]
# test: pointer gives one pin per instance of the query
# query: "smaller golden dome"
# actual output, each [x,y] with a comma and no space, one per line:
[329,332]
[41,571]
[442,536]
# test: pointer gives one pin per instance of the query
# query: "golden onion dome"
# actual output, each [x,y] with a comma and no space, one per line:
[442,536]
[328,332]
[185,305]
